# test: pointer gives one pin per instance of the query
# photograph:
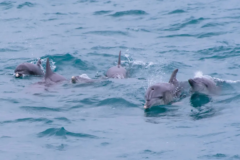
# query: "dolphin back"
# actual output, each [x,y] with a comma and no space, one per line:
[117,71]
[119,59]
[50,76]
[49,71]
[173,80]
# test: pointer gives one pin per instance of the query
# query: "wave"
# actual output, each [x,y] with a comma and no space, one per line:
[108,33]
[129,13]
[200,74]
[42,109]
[62,133]
[68,59]
[187,22]
[26,4]
[7,5]
[45,120]
[177,11]
[116,102]
[101,12]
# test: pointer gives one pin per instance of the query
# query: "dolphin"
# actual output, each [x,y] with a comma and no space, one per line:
[50,76]
[29,69]
[163,93]
[117,71]
[203,85]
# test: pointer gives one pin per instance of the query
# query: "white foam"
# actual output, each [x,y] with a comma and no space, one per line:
[200,74]
[153,79]
[138,63]
[84,76]
[149,64]
[227,81]
[53,65]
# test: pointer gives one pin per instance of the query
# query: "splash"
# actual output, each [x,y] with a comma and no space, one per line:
[199,74]
[52,63]
[227,81]
[84,76]
[156,78]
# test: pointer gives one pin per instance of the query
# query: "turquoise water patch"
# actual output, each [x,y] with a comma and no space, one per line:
[129,13]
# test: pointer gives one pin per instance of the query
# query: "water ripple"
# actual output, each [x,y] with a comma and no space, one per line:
[190,21]
[129,13]
[45,120]
[6,5]
[116,102]
[221,156]
[26,4]
[108,33]
[60,147]
[62,133]
[69,59]
[177,11]
[42,109]
[101,12]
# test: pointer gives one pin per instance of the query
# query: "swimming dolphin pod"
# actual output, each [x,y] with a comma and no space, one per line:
[117,71]
[157,94]
[29,69]
[162,93]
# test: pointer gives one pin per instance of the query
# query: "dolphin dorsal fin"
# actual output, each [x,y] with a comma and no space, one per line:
[49,71]
[39,62]
[173,78]
[119,59]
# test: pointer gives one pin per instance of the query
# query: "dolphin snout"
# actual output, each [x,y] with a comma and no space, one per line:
[73,79]
[17,75]
[147,104]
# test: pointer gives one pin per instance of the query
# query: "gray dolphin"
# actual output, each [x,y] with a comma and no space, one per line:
[162,93]
[50,76]
[203,85]
[117,71]
[29,69]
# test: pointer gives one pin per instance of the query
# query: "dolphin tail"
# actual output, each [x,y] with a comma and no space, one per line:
[173,78]
[119,59]
[49,71]
[39,62]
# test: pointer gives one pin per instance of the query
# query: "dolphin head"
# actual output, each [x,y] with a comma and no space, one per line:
[159,94]
[28,69]
[203,85]
[21,70]
[162,93]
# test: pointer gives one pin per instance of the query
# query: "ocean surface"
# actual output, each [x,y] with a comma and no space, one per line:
[106,120]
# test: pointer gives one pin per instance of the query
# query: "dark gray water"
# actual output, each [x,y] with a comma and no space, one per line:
[106,120]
